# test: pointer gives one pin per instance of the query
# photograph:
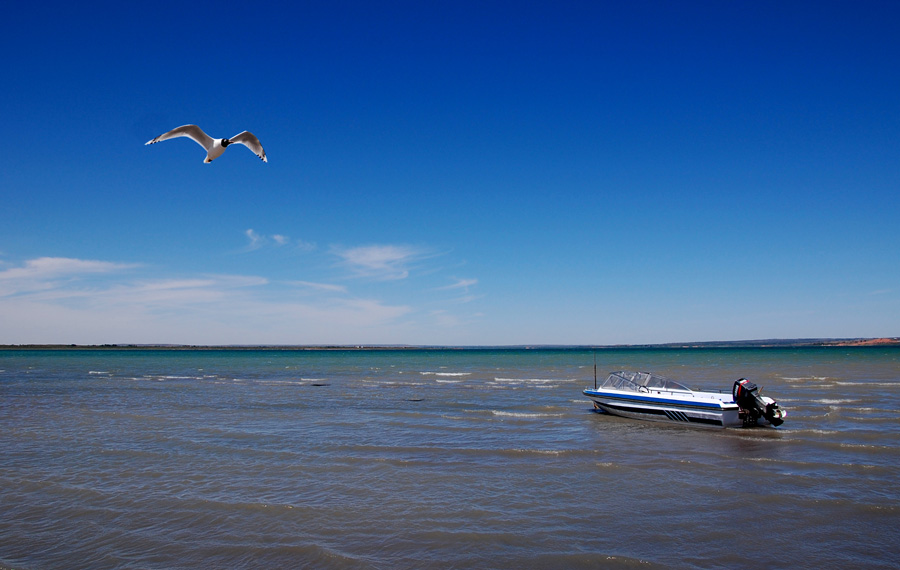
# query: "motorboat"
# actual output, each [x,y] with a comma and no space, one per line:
[647,396]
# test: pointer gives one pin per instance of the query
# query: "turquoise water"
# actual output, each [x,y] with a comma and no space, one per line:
[439,458]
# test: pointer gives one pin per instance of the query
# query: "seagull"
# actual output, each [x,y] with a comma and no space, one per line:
[214,147]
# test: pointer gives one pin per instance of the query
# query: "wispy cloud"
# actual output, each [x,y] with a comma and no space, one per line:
[46,273]
[463,284]
[48,267]
[320,286]
[66,300]
[383,262]
[257,241]
[881,292]
[200,290]
[52,300]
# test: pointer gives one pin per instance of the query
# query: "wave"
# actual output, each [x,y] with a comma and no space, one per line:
[803,378]
[445,373]
[524,414]
[817,431]
[528,380]
[167,377]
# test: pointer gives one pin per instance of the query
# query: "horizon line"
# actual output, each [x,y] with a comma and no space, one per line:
[754,343]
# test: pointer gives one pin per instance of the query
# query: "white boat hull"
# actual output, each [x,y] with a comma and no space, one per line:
[701,409]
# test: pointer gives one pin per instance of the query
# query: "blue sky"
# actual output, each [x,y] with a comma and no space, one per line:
[465,173]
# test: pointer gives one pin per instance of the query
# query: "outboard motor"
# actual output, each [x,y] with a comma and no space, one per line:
[753,406]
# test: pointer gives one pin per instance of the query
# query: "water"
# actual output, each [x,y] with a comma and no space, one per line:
[439,459]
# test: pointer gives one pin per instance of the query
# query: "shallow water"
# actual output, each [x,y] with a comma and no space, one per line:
[439,458]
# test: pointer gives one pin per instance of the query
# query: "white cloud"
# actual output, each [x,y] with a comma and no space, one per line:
[45,267]
[65,300]
[51,300]
[459,284]
[257,241]
[304,245]
[384,262]
[320,286]
[46,273]
[168,292]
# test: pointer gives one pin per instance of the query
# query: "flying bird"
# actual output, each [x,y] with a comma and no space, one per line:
[214,147]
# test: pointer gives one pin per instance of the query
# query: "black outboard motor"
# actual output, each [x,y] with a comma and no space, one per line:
[753,406]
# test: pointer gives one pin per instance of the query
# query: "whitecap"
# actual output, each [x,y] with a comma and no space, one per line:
[524,414]
[527,380]
[803,378]
[537,451]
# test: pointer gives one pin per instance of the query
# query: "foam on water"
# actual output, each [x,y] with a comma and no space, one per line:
[528,380]
[523,414]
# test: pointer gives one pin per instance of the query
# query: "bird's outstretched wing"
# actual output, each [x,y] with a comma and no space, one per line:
[192,132]
[250,141]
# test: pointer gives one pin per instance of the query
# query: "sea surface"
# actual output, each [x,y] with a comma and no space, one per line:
[482,458]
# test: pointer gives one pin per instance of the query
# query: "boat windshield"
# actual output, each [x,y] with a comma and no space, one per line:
[641,382]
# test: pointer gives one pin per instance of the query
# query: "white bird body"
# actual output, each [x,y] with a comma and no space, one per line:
[214,147]
[215,151]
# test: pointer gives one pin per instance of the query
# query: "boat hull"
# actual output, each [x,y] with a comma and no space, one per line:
[710,412]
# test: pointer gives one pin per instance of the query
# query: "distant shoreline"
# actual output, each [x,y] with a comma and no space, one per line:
[768,343]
